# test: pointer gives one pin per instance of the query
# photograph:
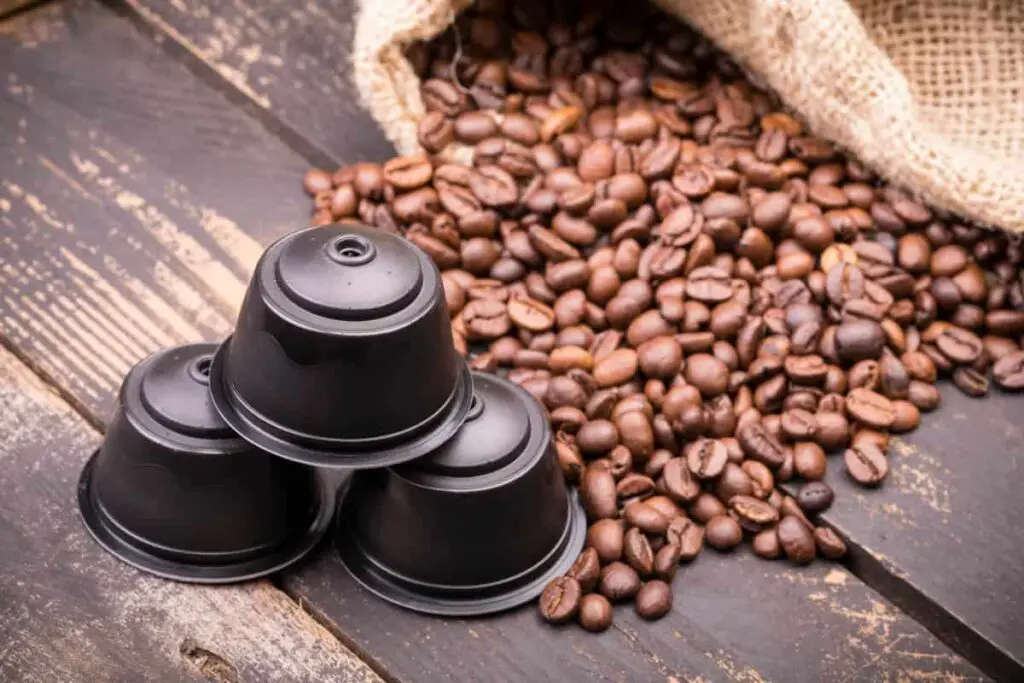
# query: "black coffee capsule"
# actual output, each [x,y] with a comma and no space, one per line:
[343,353]
[478,526]
[175,492]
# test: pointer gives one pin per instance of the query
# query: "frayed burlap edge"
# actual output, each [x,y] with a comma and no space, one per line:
[815,54]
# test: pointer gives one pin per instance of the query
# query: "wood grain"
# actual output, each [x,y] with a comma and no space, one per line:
[290,60]
[736,618]
[942,538]
[133,203]
[69,612]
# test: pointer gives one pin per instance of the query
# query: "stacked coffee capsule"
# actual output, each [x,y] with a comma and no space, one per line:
[213,468]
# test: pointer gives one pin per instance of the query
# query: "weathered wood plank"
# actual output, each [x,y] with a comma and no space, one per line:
[133,202]
[943,537]
[69,612]
[736,618]
[290,60]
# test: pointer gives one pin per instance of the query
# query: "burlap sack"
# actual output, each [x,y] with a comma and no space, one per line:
[929,93]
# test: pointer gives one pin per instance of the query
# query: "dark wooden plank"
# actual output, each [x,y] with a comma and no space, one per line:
[69,612]
[736,618]
[943,537]
[134,198]
[290,60]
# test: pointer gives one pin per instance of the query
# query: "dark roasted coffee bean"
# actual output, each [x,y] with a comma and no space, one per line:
[796,539]
[560,600]
[833,430]
[815,497]
[619,582]
[586,569]
[866,464]
[595,613]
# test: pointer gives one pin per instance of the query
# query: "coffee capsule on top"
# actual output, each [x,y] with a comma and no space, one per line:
[343,353]
[175,492]
[477,526]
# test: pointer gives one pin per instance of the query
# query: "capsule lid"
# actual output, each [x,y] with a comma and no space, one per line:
[173,390]
[349,272]
[494,434]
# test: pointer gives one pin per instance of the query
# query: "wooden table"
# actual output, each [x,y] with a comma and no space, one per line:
[148,150]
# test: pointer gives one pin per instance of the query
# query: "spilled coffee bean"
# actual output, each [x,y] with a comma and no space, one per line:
[706,298]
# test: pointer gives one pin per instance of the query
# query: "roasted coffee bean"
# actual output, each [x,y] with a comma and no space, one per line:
[870,408]
[560,600]
[666,561]
[798,425]
[707,373]
[723,532]
[858,339]
[766,544]
[706,458]
[970,382]
[759,444]
[679,482]
[809,460]
[597,437]
[529,314]
[606,537]
[668,508]
[654,600]
[872,437]
[637,553]
[646,518]
[866,464]
[959,345]
[486,319]
[926,396]
[815,497]
[796,539]
[598,494]
[1008,371]
[617,367]
[686,534]
[753,513]
[907,417]
[619,582]
[595,613]
[829,544]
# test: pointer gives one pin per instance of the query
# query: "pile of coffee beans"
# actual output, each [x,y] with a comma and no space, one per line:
[707,298]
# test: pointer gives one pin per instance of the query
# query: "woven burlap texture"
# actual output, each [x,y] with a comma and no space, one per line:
[930,94]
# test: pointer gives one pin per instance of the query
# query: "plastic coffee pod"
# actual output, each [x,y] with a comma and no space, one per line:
[480,525]
[173,491]
[343,353]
